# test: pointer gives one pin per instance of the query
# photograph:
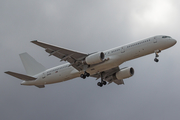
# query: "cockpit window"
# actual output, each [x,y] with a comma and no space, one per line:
[166,37]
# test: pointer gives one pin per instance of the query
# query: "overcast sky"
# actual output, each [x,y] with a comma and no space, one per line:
[153,93]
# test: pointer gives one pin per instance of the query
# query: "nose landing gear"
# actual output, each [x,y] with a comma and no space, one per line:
[156,60]
[156,55]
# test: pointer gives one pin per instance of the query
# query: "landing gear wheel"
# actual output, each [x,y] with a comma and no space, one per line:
[86,74]
[83,76]
[99,84]
[156,60]
[104,82]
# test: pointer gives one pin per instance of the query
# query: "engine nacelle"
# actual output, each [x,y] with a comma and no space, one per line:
[95,58]
[125,73]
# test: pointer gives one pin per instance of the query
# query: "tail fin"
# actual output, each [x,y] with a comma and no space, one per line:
[31,66]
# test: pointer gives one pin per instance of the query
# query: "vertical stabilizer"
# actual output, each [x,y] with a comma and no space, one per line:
[31,66]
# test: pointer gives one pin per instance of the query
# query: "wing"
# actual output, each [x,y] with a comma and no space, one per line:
[74,58]
[108,76]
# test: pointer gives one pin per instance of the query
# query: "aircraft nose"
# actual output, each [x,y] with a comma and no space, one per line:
[173,42]
[170,42]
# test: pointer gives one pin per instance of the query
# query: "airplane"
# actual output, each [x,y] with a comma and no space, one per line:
[103,64]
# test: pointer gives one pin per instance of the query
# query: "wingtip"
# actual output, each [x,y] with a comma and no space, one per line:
[6,72]
[34,41]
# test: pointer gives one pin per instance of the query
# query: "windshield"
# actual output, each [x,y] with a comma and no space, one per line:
[166,37]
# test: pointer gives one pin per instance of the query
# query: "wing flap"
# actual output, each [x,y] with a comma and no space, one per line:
[106,73]
[118,82]
[21,76]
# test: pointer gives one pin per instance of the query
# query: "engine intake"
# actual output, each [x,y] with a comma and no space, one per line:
[95,58]
[125,73]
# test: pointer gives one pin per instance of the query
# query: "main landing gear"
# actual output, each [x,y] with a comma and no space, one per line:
[85,75]
[156,55]
[100,84]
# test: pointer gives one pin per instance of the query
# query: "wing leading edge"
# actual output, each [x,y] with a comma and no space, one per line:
[74,58]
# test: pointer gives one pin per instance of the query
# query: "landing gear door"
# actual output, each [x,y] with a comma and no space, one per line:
[154,40]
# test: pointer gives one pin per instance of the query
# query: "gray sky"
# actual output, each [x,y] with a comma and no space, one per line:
[88,26]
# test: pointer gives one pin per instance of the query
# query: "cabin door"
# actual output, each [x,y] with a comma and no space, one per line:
[154,40]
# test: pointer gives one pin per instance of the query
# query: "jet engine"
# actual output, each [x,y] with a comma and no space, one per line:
[95,58]
[120,75]
[125,73]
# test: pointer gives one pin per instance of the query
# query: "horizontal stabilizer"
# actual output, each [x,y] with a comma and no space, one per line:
[21,76]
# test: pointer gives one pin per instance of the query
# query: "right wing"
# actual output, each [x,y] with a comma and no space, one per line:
[74,58]
[21,76]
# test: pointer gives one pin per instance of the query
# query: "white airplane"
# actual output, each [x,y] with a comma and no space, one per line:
[104,65]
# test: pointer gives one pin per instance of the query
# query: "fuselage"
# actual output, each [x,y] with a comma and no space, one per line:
[114,57]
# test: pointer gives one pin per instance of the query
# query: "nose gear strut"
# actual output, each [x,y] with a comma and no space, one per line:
[156,55]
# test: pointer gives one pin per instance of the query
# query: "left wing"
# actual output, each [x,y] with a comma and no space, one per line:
[108,76]
[74,58]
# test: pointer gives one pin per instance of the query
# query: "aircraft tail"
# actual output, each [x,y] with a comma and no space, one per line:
[31,66]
